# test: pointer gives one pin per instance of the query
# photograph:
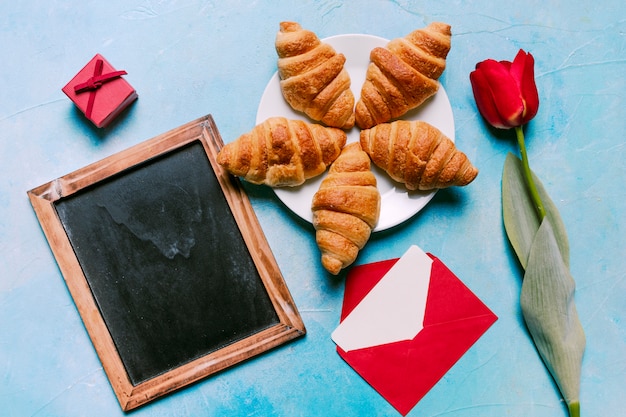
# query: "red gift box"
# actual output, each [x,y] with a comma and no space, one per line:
[100,92]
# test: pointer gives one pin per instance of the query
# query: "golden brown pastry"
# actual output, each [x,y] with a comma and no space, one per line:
[345,208]
[418,155]
[403,74]
[313,79]
[282,152]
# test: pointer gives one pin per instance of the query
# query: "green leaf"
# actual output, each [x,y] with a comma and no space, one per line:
[547,297]
[547,301]
[520,217]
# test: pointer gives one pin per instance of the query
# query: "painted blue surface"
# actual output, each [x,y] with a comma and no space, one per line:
[190,58]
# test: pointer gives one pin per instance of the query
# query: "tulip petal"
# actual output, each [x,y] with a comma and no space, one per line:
[505,91]
[507,65]
[527,84]
[518,67]
[484,100]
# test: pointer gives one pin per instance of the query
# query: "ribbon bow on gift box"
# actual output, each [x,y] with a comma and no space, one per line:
[95,82]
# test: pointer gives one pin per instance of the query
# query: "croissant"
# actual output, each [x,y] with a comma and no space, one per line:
[345,208]
[403,74]
[313,79]
[417,154]
[282,152]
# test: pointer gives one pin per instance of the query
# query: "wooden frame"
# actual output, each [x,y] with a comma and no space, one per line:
[44,199]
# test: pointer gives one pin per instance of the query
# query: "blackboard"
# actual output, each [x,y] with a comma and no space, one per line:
[166,263]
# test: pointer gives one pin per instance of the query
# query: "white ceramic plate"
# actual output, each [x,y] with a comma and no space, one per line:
[398,204]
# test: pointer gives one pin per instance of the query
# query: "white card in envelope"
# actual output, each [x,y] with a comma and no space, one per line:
[393,310]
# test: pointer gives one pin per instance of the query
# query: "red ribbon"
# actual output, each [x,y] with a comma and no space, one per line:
[95,82]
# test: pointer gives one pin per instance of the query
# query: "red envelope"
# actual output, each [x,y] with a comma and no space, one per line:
[403,372]
[99,91]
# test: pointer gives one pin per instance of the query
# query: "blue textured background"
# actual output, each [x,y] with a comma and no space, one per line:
[190,58]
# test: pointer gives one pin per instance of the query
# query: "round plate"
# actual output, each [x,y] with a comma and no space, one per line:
[397,203]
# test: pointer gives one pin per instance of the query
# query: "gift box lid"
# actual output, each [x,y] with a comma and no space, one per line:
[100,91]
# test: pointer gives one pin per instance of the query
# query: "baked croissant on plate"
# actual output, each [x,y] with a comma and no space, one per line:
[345,208]
[418,155]
[282,152]
[403,74]
[313,79]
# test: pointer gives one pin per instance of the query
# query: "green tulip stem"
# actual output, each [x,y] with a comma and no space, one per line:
[541,211]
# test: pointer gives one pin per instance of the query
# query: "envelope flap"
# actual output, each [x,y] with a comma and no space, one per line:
[444,289]
[360,281]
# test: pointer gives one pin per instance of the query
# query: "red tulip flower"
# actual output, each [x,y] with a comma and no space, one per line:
[506,96]
[505,92]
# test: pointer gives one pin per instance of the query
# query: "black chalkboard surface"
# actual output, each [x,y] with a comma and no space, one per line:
[164,247]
